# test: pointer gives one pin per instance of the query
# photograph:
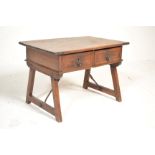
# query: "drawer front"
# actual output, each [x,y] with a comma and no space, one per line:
[75,62]
[108,56]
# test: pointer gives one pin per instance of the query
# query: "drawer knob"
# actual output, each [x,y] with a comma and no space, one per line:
[78,62]
[107,58]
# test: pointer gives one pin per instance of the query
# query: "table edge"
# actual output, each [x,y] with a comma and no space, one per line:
[78,50]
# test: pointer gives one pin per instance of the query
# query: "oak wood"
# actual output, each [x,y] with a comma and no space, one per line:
[43,58]
[56,99]
[30,85]
[115,82]
[77,61]
[54,57]
[44,70]
[101,88]
[42,104]
[86,78]
[61,46]
[108,56]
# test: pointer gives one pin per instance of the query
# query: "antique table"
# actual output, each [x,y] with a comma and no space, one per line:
[54,57]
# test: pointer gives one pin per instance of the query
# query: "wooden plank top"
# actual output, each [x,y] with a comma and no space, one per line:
[61,46]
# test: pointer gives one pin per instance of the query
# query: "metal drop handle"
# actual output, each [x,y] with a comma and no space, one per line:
[107,58]
[78,62]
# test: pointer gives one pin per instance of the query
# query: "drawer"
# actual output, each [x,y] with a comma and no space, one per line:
[108,56]
[75,62]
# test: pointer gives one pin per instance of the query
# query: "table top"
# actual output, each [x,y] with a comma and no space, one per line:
[61,46]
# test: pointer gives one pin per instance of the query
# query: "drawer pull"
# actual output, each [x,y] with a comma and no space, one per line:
[107,58]
[78,62]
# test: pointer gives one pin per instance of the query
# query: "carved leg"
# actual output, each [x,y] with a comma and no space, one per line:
[115,82]
[30,85]
[57,108]
[86,78]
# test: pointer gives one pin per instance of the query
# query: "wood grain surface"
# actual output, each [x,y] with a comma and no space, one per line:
[54,57]
[61,46]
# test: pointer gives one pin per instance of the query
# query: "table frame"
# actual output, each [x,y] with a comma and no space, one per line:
[55,77]
[54,57]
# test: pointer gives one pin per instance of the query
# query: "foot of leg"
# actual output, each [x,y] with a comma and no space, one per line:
[115,82]
[56,100]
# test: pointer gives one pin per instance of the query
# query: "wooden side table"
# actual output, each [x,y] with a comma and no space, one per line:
[54,57]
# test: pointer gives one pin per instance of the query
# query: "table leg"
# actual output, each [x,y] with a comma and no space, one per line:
[30,85]
[86,78]
[57,108]
[115,82]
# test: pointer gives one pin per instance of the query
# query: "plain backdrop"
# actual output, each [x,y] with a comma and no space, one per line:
[93,123]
